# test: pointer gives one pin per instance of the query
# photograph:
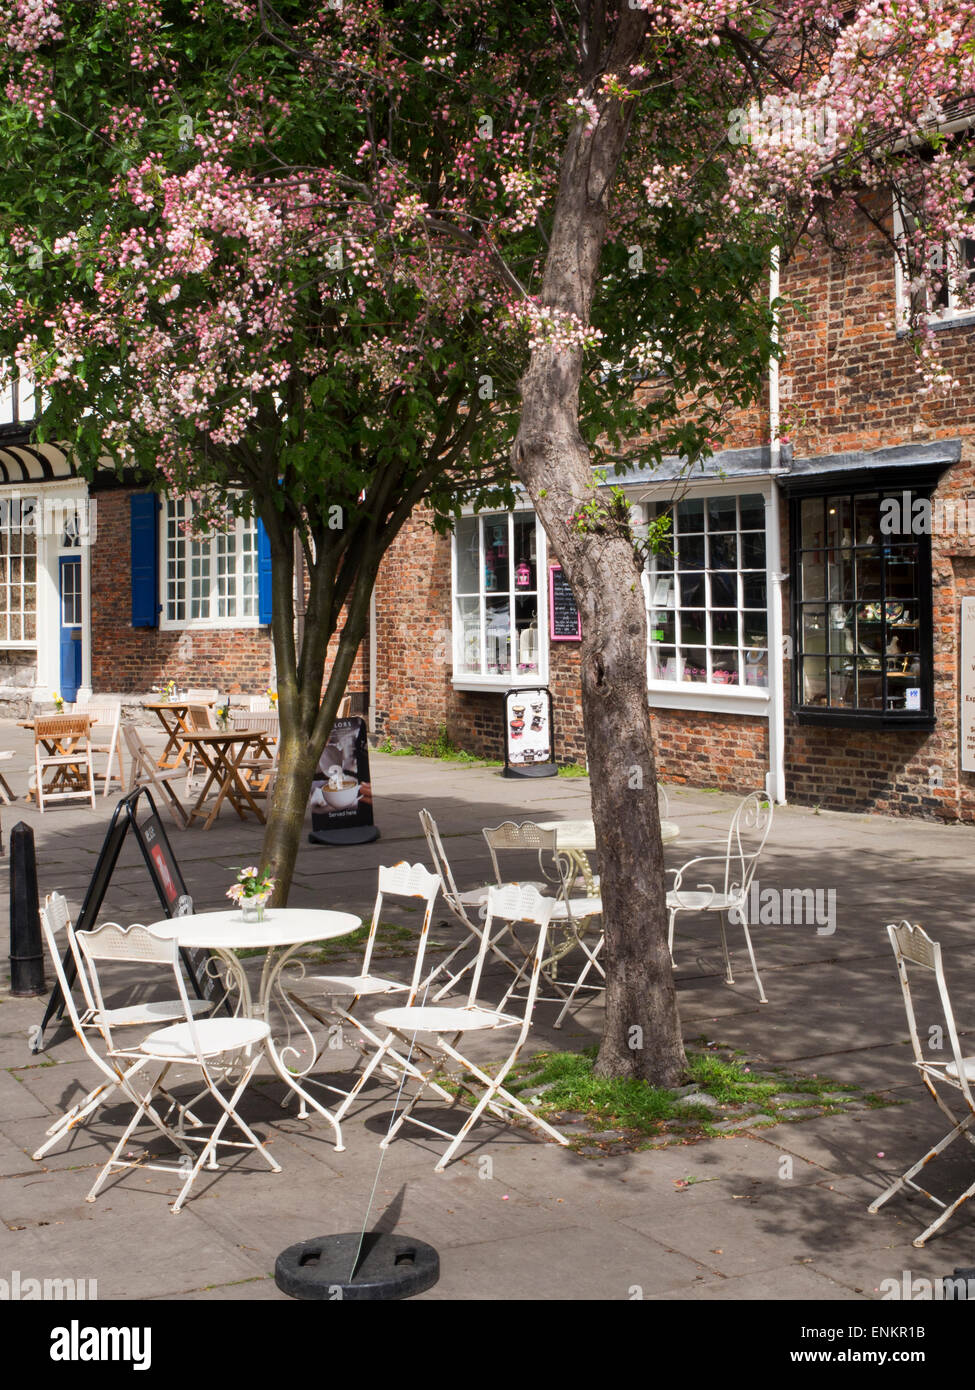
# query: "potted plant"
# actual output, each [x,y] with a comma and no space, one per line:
[251,892]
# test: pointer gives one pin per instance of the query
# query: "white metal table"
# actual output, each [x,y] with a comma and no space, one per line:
[577,840]
[283,931]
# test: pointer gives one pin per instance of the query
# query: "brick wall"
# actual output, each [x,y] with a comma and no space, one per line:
[127,659]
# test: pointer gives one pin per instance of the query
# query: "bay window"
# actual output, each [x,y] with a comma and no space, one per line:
[499,600]
[707,600]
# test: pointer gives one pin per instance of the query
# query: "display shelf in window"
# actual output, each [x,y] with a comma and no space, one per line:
[862,613]
[496,599]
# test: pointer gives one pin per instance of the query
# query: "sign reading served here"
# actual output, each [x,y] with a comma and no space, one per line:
[564,623]
[967,691]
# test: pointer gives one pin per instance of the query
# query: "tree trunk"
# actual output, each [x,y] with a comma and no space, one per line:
[296,768]
[642,1035]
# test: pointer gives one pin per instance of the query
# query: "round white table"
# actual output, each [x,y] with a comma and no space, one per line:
[283,931]
[577,839]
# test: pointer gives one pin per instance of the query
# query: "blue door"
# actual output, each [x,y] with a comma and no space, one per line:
[71,625]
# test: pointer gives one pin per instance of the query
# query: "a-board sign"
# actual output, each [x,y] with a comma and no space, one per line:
[136,812]
[564,622]
[529,742]
[341,790]
[966,700]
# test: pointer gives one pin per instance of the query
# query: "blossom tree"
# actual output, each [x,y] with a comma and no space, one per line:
[306,257]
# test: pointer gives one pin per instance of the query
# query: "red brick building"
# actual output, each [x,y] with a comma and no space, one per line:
[805,636]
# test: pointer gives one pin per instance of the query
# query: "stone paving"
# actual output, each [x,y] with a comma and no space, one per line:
[773,1213]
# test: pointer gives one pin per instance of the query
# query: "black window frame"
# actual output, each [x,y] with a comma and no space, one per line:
[920,483]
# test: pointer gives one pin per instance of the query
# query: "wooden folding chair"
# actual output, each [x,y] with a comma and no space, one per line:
[146,773]
[109,718]
[62,744]
[260,770]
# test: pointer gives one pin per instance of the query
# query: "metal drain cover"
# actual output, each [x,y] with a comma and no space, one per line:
[389,1267]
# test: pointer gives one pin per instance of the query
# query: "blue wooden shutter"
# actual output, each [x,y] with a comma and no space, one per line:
[263,575]
[145,560]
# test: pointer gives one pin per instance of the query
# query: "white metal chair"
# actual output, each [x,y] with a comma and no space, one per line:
[144,772]
[468,908]
[69,735]
[404,880]
[446,1026]
[915,949]
[87,1025]
[228,1049]
[260,704]
[109,718]
[571,914]
[747,834]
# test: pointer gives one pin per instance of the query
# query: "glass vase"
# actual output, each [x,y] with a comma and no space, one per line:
[252,909]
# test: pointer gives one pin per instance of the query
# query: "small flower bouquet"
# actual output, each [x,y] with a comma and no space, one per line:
[58,701]
[167,690]
[223,713]
[272,695]
[251,892]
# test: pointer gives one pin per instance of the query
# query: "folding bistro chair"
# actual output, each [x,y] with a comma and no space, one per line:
[144,772]
[87,1025]
[571,915]
[749,829]
[6,795]
[109,718]
[260,704]
[915,949]
[260,771]
[62,743]
[467,908]
[211,694]
[409,881]
[220,1048]
[447,1026]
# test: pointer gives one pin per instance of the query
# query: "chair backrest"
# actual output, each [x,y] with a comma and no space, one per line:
[139,753]
[345,706]
[112,942]
[442,867]
[663,802]
[104,714]
[54,918]
[529,836]
[749,829]
[515,903]
[60,726]
[199,718]
[914,949]
[257,723]
[203,695]
[404,880]
[259,703]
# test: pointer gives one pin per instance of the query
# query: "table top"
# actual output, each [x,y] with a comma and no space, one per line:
[282,926]
[220,735]
[181,702]
[581,834]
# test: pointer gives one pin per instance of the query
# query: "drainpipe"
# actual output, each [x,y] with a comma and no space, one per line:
[373,647]
[775,780]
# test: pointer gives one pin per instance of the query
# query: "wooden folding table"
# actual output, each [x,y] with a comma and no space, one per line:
[222,753]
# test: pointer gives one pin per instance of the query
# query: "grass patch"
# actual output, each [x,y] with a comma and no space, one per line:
[573,770]
[390,937]
[736,1094]
[441,748]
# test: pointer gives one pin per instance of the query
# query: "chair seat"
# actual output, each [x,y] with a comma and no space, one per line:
[216,1035]
[429,1019]
[580,908]
[149,1011]
[688,901]
[969,1065]
[359,984]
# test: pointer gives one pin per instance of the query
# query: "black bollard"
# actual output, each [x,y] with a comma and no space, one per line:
[26,953]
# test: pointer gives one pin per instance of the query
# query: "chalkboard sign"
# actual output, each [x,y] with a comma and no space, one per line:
[564,623]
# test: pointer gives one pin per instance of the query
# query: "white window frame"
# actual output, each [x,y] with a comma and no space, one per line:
[945,314]
[509,680]
[240,529]
[699,695]
[34,529]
